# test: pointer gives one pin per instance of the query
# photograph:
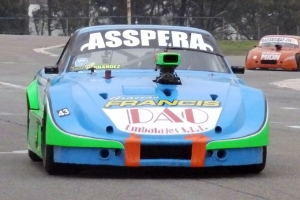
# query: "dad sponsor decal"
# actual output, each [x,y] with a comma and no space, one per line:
[278,40]
[164,120]
[144,38]
[270,56]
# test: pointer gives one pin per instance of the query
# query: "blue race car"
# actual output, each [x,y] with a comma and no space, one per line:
[145,95]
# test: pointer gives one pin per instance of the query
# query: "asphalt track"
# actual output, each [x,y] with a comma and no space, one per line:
[22,56]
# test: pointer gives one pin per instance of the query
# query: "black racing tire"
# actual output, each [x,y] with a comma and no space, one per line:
[50,166]
[252,169]
[297,58]
[33,156]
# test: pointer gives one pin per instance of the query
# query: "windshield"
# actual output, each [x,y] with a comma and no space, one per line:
[144,58]
[283,41]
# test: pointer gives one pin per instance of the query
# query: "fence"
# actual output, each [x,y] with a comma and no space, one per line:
[65,26]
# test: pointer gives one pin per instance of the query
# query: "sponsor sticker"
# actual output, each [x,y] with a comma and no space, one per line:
[270,56]
[164,120]
[279,40]
[151,102]
[144,38]
[81,62]
[133,97]
[86,67]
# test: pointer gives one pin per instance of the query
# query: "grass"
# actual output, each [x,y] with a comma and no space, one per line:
[236,48]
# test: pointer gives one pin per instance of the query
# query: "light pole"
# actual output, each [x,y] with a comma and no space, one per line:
[128,11]
[223,21]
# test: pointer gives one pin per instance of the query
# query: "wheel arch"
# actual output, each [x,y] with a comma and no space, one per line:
[32,96]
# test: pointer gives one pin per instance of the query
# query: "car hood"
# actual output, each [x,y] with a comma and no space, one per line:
[210,104]
[272,50]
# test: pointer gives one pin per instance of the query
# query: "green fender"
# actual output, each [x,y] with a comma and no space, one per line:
[32,96]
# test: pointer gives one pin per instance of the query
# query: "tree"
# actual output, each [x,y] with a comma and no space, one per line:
[254,19]
[67,15]
[14,17]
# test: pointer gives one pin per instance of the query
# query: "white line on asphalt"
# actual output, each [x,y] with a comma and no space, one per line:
[8,62]
[294,126]
[290,108]
[13,85]
[5,113]
[43,50]
[288,83]
[14,152]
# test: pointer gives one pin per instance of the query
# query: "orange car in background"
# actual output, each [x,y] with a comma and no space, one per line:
[275,52]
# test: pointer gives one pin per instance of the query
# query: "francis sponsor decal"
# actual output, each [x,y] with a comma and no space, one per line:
[270,56]
[144,38]
[164,121]
[152,102]
[279,40]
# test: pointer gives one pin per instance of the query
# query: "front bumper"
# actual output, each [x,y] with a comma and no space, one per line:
[195,151]
[117,157]
[282,64]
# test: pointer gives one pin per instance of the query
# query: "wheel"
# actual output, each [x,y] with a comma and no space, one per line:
[50,166]
[252,169]
[246,59]
[33,156]
[297,58]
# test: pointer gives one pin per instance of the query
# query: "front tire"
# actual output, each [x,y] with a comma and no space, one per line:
[50,166]
[33,156]
[297,58]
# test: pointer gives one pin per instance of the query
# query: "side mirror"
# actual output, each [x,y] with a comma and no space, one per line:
[51,70]
[238,69]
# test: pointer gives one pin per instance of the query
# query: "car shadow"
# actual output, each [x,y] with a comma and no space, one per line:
[155,173]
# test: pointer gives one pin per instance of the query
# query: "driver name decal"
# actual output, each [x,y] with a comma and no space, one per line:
[164,121]
[144,38]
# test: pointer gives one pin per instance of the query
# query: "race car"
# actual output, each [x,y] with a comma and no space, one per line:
[145,95]
[275,52]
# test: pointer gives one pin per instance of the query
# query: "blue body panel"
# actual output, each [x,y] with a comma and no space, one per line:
[82,97]
[91,156]
[140,114]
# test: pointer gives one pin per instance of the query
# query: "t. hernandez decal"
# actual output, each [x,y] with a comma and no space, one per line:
[133,38]
[86,67]
[163,120]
